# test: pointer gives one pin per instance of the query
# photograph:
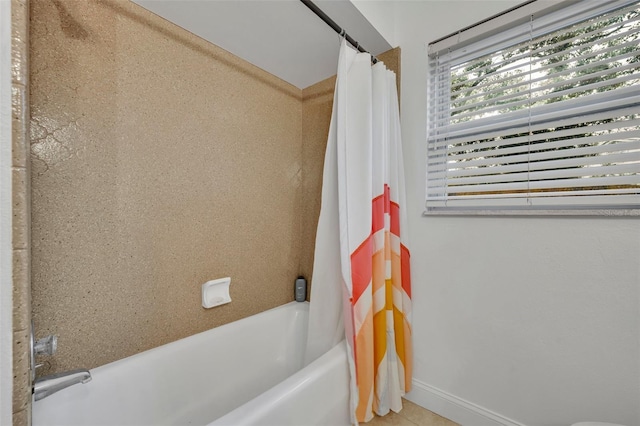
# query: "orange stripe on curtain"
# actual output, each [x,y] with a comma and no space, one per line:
[365,371]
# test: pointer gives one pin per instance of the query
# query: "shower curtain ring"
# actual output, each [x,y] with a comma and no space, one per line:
[343,33]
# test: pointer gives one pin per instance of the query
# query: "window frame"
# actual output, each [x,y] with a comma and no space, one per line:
[493,27]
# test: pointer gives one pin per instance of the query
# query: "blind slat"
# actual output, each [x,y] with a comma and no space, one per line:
[483,155]
[550,194]
[524,175]
[570,126]
[597,151]
[505,100]
[449,62]
[455,87]
[631,79]
[560,184]
[562,202]
[572,15]
[551,115]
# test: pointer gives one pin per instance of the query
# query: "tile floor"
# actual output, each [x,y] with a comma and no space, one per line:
[411,415]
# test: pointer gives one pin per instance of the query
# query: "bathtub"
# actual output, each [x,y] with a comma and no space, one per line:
[249,372]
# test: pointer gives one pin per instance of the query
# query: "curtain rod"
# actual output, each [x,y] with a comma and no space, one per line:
[315,9]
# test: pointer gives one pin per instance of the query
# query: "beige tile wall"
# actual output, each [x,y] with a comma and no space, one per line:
[21,239]
[316,116]
[160,161]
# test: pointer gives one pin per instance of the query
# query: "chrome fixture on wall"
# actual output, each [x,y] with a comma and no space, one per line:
[47,385]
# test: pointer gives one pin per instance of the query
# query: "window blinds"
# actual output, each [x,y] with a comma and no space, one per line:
[541,115]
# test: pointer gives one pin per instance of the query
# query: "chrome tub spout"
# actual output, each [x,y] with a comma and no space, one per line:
[47,385]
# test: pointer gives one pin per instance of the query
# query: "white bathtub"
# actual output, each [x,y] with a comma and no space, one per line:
[249,372]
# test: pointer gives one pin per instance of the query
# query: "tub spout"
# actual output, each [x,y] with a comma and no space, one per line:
[47,385]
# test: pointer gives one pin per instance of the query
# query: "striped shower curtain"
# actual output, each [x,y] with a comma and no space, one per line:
[361,282]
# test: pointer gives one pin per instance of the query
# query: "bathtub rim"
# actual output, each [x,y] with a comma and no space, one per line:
[304,306]
[296,381]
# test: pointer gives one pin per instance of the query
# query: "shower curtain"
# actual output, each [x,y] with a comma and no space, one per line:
[361,288]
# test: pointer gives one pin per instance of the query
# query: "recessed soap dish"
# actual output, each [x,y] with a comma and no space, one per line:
[216,292]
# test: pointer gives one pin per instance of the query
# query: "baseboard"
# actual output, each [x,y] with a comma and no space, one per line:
[457,409]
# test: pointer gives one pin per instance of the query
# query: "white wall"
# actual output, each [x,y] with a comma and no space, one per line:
[381,14]
[534,319]
[6,285]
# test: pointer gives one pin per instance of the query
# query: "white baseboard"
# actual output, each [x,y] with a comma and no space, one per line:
[456,409]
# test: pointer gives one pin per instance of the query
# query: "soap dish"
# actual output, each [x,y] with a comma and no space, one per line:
[216,292]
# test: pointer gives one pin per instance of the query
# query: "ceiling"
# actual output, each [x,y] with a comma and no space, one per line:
[283,37]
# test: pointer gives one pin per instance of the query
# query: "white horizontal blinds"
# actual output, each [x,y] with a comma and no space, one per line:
[545,114]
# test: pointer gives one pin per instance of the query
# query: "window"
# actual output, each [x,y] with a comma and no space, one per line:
[541,112]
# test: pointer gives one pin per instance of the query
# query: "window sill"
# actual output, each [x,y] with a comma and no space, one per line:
[631,212]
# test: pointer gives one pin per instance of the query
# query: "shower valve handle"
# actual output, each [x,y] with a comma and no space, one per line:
[46,346]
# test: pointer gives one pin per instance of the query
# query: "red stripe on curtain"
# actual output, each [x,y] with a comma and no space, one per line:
[395,219]
[377,210]
[361,268]
[406,269]
[387,198]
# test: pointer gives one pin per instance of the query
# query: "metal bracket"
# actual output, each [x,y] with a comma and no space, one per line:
[46,346]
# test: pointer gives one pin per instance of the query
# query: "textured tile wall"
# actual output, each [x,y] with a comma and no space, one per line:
[316,116]
[159,161]
[21,239]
